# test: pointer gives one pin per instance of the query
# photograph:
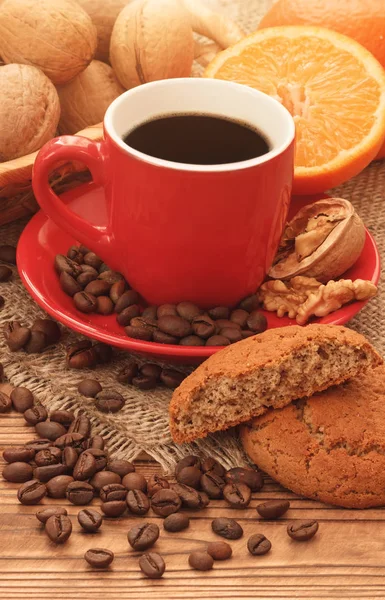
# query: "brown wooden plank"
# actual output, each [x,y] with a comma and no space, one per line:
[345,560]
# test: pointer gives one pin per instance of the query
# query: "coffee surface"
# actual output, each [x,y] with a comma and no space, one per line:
[197,139]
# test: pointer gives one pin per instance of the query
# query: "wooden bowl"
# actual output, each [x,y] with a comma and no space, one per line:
[16,196]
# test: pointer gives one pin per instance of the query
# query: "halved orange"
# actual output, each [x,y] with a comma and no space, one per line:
[333,87]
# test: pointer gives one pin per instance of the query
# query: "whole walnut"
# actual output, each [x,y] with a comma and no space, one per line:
[85,99]
[29,110]
[57,36]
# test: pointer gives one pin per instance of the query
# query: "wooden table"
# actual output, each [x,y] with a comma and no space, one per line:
[345,560]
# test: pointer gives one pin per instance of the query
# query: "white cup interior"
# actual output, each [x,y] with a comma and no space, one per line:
[201,96]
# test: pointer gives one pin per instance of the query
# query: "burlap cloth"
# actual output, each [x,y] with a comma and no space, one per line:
[143,423]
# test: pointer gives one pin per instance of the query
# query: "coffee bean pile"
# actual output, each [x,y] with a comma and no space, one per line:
[86,354]
[35,339]
[96,289]
[67,462]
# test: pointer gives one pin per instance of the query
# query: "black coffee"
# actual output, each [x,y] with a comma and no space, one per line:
[197,139]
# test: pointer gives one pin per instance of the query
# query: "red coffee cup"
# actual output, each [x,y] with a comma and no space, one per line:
[207,234]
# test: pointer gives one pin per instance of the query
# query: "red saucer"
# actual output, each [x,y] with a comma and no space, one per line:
[41,240]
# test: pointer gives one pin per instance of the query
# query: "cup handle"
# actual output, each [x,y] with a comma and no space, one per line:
[68,148]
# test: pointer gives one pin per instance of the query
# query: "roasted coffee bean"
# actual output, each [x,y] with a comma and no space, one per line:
[143,536]
[232,334]
[88,269]
[81,425]
[64,417]
[217,340]
[100,458]
[36,414]
[51,456]
[17,472]
[31,492]
[112,492]
[75,254]
[203,326]
[111,277]
[238,495]
[5,273]
[141,322]
[103,478]
[257,322]
[144,382]
[156,483]
[103,353]
[9,327]
[137,502]
[69,457]
[165,502]
[85,278]
[258,544]
[210,465]
[44,514]
[151,370]
[172,378]
[48,472]
[117,290]
[80,493]
[99,558]
[50,430]
[8,254]
[167,310]
[83,249]
[22,399]
[222,323]
[188,310]
[246,333]
[69,284]
[5,402]
[57,487]
[176,522]
[190,497]
[219,312]
[63,263]
[187,461]
[189,476]
[139,333]
[70,439]
[212,484]
[201,561]
[21,454]
[104,305]
[50,328]
[192,340]
[89,388]
[125,316]
[37,342]
[175,326]
[219,550]
[121,467]
[128,372]
[302,531]
[109,401]
[98,287]
[90,520]
[163,338]
[250,303]
[97,442]
[240,317]
[81,355]
[253,479]
[84,302]
[114,509]
[150,312]
[40,444]
[18,338]
[273,509]
[128,298]
[227,528]
[58,528]
[85,467]
[90,258]
[152,565]
[135,481]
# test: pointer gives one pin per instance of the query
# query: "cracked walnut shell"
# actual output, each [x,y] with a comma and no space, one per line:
[323,240]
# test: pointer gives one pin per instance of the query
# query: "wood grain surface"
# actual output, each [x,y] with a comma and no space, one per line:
[346,559]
